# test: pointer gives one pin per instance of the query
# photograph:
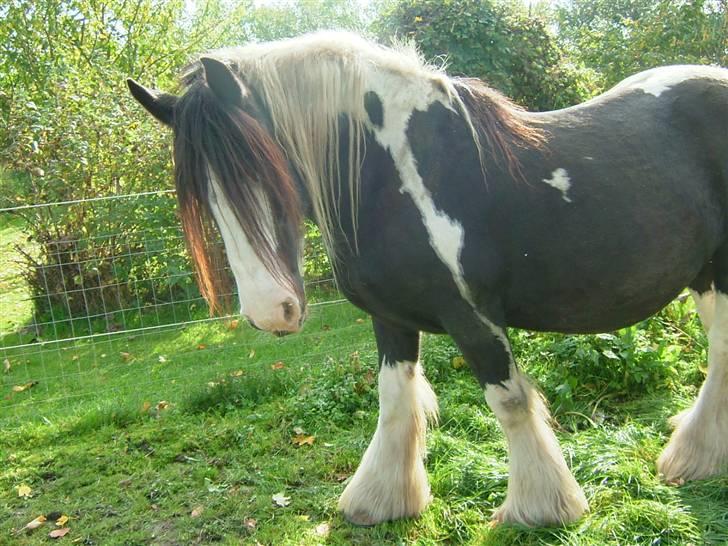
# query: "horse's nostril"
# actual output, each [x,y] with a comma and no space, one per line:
[288,310]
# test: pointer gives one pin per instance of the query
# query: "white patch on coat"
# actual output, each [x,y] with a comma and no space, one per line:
[561,181]
[262,297]
[698,447]
[541,488]
[658,80]
[705,306]
[400,100]
[391,481]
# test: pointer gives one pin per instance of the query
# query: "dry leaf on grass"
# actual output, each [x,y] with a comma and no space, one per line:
[60,522]
[6,365]
[58,533]
[146,405]
[277,366]
[280,499]
[197,511]
[250,524]
[162,359]
[302,439]
[162,405]
[37,522]
[252,353]
[201,346]
[233,324]
[126,357]
[24,491]
[24,387]
[236,373]
[322,529]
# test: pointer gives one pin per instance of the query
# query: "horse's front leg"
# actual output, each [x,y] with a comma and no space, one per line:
[541,488]
[391,481]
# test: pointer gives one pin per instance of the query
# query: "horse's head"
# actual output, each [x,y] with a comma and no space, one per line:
[231,172]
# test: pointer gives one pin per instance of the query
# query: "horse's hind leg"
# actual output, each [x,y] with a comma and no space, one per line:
[391,481]
[698,447]
[541,488]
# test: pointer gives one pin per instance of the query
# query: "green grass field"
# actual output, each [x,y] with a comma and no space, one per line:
[184,436]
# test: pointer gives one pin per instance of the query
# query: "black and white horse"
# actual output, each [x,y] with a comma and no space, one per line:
[445,208]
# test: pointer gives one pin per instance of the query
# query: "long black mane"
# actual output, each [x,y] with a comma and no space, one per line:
[212,138]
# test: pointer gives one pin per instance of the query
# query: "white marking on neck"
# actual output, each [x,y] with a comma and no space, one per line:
[400,99]
[561,181]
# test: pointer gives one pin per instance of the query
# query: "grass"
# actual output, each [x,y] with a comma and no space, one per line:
[128,436]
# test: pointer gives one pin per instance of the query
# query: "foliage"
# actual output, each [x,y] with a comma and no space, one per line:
[493,40]
[70,132]
[617,38]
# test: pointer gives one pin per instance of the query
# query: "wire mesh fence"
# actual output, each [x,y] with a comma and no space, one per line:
[115,319]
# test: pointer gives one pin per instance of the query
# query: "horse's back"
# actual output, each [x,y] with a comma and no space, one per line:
[623,208]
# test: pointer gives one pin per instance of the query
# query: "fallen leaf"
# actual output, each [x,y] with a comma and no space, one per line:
[201,346]
[252,353]
[126,357]
[6,365]
[360,321]
[278,366]
[60,522]
[236,373]
[197,512]
[279,499]
[212,384]
[303,517]
[25,491]
[233,324]
[302,439]
[74,357]
[458,362]
[162,359]
[322,529]
[24,387]
[37,522]
[298,430]
[58,533]
[250,524]
[162,405]
[146,405]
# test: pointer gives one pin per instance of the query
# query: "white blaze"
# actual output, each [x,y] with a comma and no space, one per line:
[261,295]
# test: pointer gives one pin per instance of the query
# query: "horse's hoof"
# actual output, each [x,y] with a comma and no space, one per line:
[564,511]
[360,519]
[696,450]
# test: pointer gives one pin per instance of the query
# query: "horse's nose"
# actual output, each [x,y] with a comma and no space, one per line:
[286,318]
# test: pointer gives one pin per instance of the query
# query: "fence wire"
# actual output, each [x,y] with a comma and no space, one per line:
[115,318]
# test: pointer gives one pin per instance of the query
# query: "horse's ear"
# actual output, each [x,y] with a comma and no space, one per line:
[226,85]
[157,103]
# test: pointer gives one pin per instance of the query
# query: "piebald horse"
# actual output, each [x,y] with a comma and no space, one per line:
[446,208]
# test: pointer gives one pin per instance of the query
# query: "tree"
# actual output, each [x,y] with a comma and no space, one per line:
[617,38]
[496,41]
